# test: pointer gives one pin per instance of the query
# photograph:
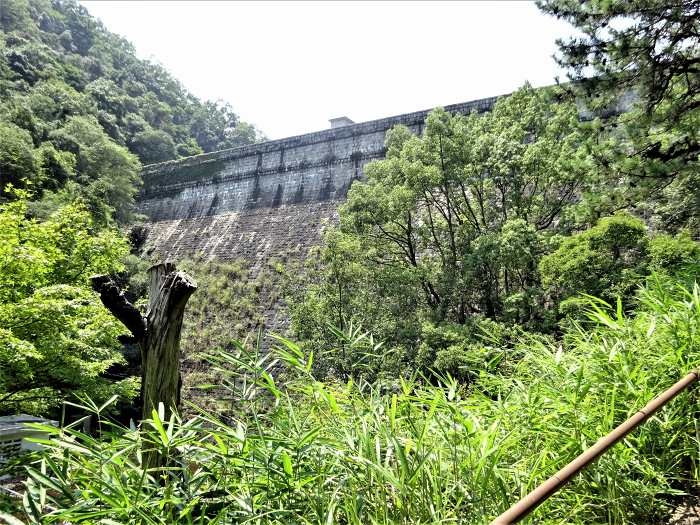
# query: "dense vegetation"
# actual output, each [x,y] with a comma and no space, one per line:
[483,222]
[651,48]
[304,451]
[499,293]
[79,111]
[56,339]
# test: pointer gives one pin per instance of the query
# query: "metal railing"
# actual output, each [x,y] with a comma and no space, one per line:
[535,498]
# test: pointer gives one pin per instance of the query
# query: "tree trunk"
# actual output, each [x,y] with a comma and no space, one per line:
[168,295]
[157,333]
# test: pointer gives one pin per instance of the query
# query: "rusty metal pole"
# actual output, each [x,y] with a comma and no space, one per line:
[530,502]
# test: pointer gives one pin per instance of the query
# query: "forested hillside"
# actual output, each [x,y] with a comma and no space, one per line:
[79,115]
[500,292]
[79,111]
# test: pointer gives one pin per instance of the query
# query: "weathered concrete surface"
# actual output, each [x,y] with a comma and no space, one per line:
[258,201]
[256,235]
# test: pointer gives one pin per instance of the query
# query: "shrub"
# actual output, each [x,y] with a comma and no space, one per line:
[309,452]
[612,259]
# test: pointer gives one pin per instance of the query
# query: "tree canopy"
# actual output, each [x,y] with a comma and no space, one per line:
[56,339]
[487,222]
[79,111]
[648,51]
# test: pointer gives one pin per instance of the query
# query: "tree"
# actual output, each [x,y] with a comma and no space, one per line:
[216,126]
[445,204]
[56,340]
[15,16]
[53,102]
[106,172]
[57,166]
[157,333]
[450,226]
[611,260]
[18,163]
[153,146]
[651,49]
[189,148]
[606,261]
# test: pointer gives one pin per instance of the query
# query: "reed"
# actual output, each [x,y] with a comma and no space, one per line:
[291,449]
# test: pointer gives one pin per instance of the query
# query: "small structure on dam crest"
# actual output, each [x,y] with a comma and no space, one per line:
[266,200]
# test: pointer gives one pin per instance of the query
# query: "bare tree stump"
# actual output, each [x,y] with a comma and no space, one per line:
[157,333]
[168,294]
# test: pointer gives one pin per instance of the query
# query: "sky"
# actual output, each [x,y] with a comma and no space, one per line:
[287,67]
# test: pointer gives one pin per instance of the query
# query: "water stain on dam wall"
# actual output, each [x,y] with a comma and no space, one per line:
[264,200]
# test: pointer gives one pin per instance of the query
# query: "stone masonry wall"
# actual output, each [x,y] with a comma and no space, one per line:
[312,168]
[264,201]
[255,235]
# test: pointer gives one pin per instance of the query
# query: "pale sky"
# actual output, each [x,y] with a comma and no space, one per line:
[288,67]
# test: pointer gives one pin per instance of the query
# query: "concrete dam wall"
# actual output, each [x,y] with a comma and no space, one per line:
[271,199]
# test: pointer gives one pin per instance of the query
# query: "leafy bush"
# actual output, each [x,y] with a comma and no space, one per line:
[56,339]
[466,352]
[675,255]
[611,260]
[309,452]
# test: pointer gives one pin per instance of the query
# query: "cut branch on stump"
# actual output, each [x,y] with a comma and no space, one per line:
[157,333]
[116,302]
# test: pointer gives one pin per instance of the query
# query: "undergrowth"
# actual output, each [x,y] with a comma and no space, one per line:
[295,450]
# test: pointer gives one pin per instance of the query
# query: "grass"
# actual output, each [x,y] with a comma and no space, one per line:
[290,449]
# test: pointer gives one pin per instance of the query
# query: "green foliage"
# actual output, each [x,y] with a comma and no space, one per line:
[451,225]
[215,126]
[675,255]
[56,339]
[611,260]
[62,250]
[17,159]
[106,173]
[58,166]
[466,352]
[70,87]
[460,213]
[309,452]
[604,260]
[476,221]
[58,343]
[189,149]
[336,294]
[153,146]
[649,49]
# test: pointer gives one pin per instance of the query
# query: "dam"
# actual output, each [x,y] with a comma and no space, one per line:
[266,200]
